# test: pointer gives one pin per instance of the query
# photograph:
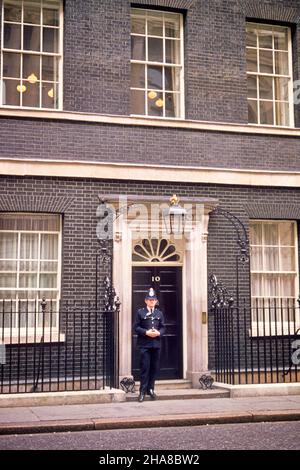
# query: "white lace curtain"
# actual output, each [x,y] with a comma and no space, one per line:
[29,259]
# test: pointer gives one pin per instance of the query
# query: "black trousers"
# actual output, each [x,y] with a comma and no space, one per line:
[149,367]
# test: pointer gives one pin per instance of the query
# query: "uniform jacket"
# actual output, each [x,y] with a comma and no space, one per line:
[145,321]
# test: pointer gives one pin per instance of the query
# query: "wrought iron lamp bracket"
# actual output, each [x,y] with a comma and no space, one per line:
[241,233]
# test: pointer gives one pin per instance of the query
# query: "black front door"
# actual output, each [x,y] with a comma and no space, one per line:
[167,283]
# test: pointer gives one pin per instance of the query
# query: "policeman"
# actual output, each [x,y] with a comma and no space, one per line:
[150,327]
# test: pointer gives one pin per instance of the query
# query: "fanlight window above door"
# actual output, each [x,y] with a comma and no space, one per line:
[153,250]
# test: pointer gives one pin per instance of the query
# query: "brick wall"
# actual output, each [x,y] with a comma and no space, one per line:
[106,143]
[77,200]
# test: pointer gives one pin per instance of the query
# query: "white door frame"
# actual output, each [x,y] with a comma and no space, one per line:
[194,290]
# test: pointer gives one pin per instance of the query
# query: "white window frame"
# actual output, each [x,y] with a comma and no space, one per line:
[28,334]
[163,64]
[21,51]
[258,328]
[274,75]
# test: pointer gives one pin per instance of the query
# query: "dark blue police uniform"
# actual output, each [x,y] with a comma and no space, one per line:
[149,347]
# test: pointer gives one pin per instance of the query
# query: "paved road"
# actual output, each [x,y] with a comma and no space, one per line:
[255,436]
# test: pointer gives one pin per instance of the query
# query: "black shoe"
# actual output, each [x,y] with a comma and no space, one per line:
[141,397]
[153,395]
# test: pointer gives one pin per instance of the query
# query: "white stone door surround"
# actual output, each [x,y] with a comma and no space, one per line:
[195,337]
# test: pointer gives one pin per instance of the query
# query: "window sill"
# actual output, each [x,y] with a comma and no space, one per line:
[31,338]
[147,122]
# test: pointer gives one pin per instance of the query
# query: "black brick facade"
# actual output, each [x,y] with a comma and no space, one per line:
[97,80]
[79,222]
[134,144]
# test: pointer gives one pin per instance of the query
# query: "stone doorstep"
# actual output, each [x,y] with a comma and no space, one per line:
[182,394]
[175,384]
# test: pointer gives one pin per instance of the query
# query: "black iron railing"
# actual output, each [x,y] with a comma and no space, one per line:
[257,342]
[74,348]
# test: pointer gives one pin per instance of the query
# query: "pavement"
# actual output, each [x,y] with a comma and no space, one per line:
[158,413]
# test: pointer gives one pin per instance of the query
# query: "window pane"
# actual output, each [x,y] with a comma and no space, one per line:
[49,246]
[270,285]
[12,12]
[172,26]
[172,51]
[32,14]
[28,222]
[31,67]
[255,233]
[252,111]
[251,60]
[172,104]
[281,40]
[172,79]
[8,280]
[48,281]
[155,77]
[29,246]
[286,231]
[11,64]
[155,24]
[266,112]
[252,86]
[32,38]
[50,68]
[138,25]
[50,95]
[137,102]
[138,48]
[256,285]
[271,259]
[50,40]
[281,89]
[266,61]
[28,266]
[266,88]
[265,39]
[281,63]
[12,36]
[256,258]
[31,97]
[8,265]
[137,75]
[271,234]
[50,17]
[155,50]
[287,287]
[8,245]
[48,266]
[282,114]
[10,95]
[251,38]
[156,106]
[28,280]
[287,256]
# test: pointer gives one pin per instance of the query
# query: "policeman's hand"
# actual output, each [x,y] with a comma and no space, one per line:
[152,333]
[156,331]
